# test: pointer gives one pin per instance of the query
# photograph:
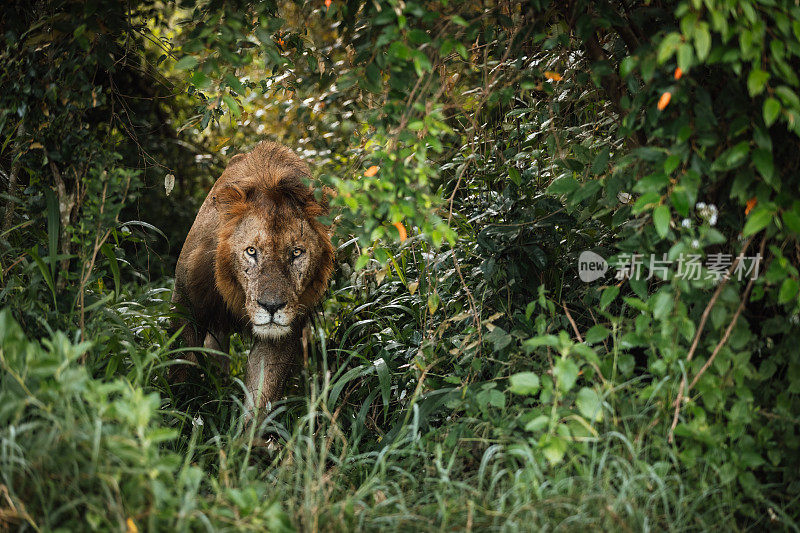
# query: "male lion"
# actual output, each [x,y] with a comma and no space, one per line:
[256,261]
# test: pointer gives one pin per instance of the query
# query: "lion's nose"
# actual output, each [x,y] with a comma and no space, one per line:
[271,305]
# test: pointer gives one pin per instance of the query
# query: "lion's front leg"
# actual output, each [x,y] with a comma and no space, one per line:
[268,367]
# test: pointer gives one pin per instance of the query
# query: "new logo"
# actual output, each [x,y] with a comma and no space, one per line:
[591,266]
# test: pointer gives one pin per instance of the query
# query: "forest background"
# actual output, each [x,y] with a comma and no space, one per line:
[462,375]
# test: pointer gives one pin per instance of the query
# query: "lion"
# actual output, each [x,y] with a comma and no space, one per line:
[256,261]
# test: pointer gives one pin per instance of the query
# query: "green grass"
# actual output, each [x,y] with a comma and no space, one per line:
[79,451]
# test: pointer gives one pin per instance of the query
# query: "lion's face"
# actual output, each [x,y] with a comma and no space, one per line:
[277,255]
[273,256]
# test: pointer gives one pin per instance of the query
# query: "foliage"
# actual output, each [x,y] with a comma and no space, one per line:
[463,375]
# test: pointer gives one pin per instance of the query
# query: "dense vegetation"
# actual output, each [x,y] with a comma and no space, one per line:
[462,375]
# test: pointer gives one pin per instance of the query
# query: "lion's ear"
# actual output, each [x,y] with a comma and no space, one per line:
[226,196]
[238,158]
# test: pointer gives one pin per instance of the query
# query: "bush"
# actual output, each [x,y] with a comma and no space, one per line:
[463,375]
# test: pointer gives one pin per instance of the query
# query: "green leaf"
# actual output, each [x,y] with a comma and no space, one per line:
[685,57]
[732,158]
[564,185]
[771,110]
[668,46]
[788,96]
[600,161]
[235,84]
[433,302]
[609,293]
[751,459]
[230,101]
[566,373]
[541,340]
[788,290]
[661,220]
[635,302]
[597,334]
[680,200]
[417,36]
[361,262]
[384,380]
[524,383]
[200,80]
[537,424]
[762,159]
[645,201]
[553,448]
[162,435]
[186,63]
[498,337]
[48,277]
[626,66]
[590,404]
[758,220]
[792,220]
[491,397]
[586,352]
[757,81]
[672,163]
[662,304]
[702,41]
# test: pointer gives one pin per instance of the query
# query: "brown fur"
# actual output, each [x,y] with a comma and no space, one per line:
[260,204]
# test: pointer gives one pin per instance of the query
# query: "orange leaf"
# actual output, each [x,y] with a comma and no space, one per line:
[550,75]
[131,526]
[402,230]
[751,203]
[678,73]
[664,100]
[371,171]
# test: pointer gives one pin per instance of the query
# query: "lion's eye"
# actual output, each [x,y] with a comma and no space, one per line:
[250,251]
[297,252]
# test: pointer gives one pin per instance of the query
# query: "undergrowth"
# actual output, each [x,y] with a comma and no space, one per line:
[78,450]
[460,374]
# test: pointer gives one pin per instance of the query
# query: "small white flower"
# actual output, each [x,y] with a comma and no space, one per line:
[197,421]
[695,243]
[686,223]
[708,212]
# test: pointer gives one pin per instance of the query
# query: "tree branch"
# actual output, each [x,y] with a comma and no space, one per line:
[703,319]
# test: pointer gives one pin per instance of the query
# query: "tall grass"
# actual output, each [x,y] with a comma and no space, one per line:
[79,450]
